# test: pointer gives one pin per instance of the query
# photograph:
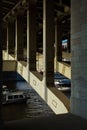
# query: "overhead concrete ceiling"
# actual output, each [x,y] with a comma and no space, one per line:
[61,8]
[10,8]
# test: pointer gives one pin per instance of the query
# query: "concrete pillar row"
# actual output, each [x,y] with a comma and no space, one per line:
[79,57]
[48,42]
[31,36]
[19,26]
[10,37]
[58,40]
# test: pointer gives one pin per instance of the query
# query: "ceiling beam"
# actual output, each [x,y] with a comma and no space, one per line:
[20,5]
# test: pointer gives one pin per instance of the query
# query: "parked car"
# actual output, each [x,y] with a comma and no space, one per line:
[62,82]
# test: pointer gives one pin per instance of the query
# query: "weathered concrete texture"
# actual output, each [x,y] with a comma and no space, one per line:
[79,57]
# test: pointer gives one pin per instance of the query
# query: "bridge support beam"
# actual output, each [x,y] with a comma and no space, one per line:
[4,38]
[58,38]
[19,26]
[31,36]
[10,37]
[48,42]
[79,57]
[69,44]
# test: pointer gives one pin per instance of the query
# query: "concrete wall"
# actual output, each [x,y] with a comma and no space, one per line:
[64,69]
[9,65]
[79,57]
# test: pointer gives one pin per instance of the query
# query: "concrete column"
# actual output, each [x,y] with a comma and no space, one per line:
[69,45]
[4,38]
[28,44]
[58,40]
[19,26]
[10,37]
[79,57]
[48,42]
[31,35]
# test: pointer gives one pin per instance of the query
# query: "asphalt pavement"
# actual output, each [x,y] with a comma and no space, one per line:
[53,122]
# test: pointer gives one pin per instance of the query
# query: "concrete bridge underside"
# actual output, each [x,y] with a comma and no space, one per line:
[22,30]
[58,102]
